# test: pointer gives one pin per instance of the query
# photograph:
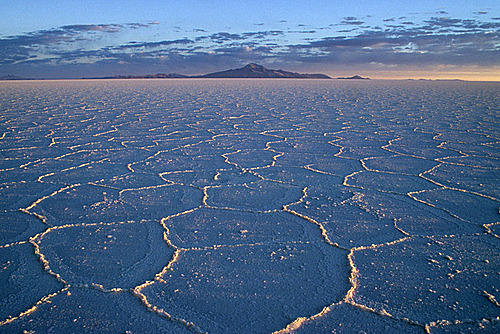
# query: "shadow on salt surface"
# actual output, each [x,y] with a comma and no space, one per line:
[345,222]
[299,176]
[480,180]
[345,318]
[88,204]
[211,227]
[199,178]
[29,173]
[87,172]
[257,196]
[470,138]
[208,147]
[336,166]
[392,183]
[170,144]
[399,164]
[463,205]
[292,132]
[358,142]
[169,130]
[204,178]
[166,162]
[132,180]
[413,217]
[88,143]
[309,146]
[260,122]
[155,203]
[484,150]
[23,155]
[24,282]
[241,141]
[91,311]
[251,289]
[112,255]
[23,194]
[423,152]
[416,139]
[82,204]
[229,177]
[17,226]
[452,278]
[332,165]
[121,156]
[474,161]
[363,152]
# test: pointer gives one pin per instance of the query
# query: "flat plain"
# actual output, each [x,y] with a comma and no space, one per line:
[249,206]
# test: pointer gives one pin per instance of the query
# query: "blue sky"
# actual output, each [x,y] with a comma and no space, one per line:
[381,39]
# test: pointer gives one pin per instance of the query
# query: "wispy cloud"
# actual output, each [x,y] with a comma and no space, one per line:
[351,20]
[137,45]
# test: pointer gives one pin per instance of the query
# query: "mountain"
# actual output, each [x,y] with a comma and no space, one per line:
[147,76]
[257,71]
[354,77]
[13,77]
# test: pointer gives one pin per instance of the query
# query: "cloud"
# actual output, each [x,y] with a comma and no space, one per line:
[444,22]
[225,37]
[458,25]
[139,25]
[437,40]
[302,31]
[95,27]
[67,33]
[24,47]
[351,20]
[222,37]
[433,41]
[403,47]
[136,45]
[262,34]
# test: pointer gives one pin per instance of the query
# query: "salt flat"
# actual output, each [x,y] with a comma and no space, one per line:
[249,206]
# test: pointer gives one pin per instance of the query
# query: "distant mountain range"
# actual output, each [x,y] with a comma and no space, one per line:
[13,77]
[249,71]
[148,76]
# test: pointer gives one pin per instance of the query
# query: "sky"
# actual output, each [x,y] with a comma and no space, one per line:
[386,39]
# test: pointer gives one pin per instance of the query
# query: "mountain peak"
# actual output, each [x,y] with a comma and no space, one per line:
[254,66]
[254,70]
